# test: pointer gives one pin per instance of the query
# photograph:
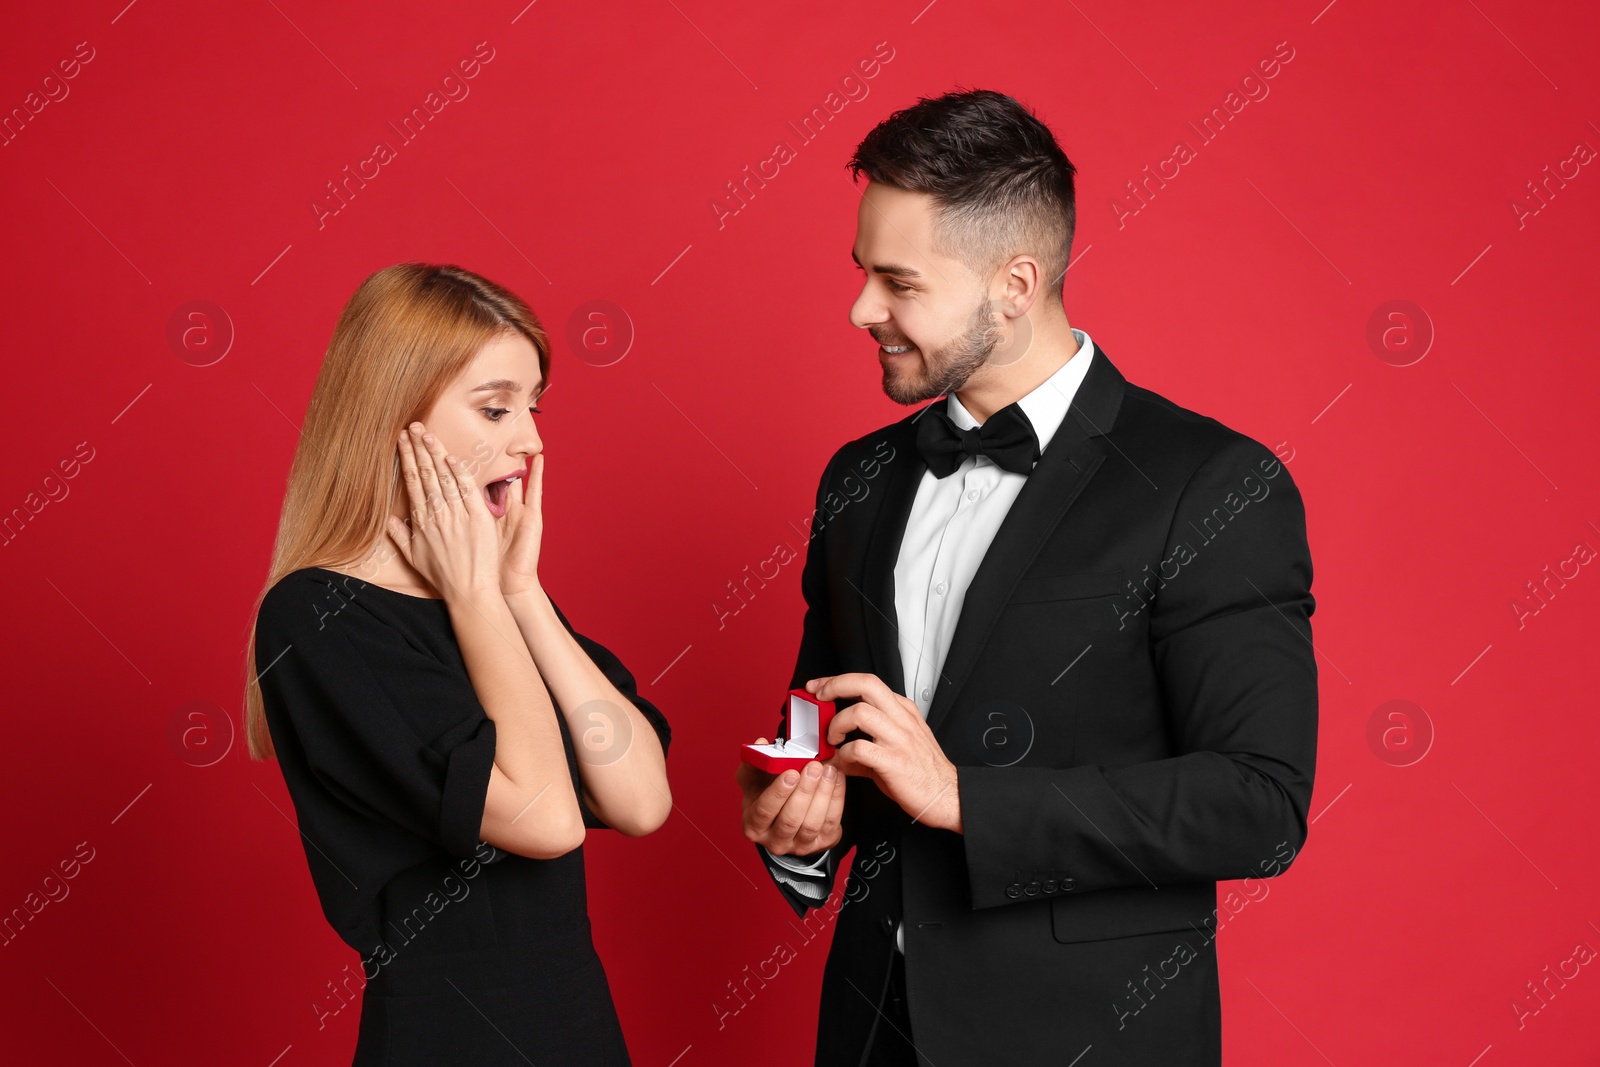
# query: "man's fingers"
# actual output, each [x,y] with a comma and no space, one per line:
[830,824]
[750,778]
[811,826]
[769,802]
[793,813]
[843,722]
[860,757]
[874,720]
[861,686]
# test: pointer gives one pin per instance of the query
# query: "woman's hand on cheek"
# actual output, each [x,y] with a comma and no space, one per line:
[451,539]
[521,532]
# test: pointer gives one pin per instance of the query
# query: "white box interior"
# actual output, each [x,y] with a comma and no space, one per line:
[804,733]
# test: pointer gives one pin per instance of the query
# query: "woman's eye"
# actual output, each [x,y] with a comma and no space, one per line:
[537,410]
[494,414]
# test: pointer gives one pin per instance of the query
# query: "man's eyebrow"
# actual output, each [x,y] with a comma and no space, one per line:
[888,268]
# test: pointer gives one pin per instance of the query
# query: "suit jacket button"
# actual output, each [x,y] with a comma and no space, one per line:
[1032,889]
[887,924]
[1014,890]
[1049,886]
[1067,885]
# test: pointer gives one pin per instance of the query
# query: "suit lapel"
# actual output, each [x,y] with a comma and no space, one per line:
[1075,453]
[883,548]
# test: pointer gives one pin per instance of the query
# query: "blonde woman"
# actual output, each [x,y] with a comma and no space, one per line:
[445,735]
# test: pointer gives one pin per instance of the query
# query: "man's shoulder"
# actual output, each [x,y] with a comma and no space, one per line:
[1157,426]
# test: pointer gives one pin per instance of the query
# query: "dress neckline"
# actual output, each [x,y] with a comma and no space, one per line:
[375,585]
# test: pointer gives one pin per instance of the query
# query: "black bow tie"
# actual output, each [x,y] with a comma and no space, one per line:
[1006,437]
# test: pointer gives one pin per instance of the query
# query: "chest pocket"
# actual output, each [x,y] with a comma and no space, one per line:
[1081,585]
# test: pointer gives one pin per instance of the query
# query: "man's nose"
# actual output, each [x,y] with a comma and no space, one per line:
[867,310]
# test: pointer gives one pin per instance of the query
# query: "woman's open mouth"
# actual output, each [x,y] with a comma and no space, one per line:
[498,491]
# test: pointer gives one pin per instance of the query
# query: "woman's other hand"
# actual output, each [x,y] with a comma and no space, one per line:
[522,532]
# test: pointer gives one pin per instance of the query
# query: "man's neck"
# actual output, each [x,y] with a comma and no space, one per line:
[984,394]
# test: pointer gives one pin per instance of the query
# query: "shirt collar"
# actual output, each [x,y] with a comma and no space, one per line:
[1046,405]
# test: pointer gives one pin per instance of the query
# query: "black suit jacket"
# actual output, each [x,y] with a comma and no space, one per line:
[1130,699]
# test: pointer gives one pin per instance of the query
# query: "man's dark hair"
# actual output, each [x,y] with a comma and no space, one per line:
[1000,184]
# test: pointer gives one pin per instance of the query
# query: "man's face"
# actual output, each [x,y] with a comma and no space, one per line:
[930,313]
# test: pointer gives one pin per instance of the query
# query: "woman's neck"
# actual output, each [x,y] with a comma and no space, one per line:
[385,565]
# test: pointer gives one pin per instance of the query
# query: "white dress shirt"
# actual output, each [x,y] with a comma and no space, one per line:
[953,520]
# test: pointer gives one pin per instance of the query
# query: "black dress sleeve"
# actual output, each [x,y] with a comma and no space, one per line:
[622,678]
[385,726]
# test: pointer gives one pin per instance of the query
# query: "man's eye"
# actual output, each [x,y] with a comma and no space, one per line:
[494,414]
[897,287]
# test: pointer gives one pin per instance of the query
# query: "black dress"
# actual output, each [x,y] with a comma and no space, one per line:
[471,955]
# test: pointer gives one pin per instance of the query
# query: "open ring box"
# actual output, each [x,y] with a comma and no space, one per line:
[805,729]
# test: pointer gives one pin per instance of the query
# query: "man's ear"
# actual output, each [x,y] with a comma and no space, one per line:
[1022,284]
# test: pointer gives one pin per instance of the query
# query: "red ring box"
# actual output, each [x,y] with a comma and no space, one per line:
[805,736]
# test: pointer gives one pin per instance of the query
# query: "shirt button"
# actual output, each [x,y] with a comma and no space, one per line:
[926,693]
[940,588]
[972,494]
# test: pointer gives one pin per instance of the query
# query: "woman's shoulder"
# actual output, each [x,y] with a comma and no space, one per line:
[307,597]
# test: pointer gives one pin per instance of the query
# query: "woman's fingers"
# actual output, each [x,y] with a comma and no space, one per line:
[515,502]
[433,499]
[471,494]
[410,475]
[444,477]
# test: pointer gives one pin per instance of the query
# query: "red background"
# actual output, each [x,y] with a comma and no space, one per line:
[1383,165]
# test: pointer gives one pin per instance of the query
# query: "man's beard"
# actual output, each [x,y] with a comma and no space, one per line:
[947,369]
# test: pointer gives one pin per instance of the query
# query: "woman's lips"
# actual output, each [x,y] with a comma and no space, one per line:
[496,493]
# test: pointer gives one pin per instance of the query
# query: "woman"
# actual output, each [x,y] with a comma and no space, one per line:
[422,693]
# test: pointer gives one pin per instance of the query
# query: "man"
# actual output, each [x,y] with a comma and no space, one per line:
[1067,629]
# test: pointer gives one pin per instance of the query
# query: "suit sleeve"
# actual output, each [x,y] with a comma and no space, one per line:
[622,678]
[807,888]
[1231,646]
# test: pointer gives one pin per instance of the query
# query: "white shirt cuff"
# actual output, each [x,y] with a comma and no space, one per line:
[792,863]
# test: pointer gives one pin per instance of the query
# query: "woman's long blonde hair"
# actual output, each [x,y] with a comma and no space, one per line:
[408,331]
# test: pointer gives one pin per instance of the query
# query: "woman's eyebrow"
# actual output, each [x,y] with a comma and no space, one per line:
[499,385]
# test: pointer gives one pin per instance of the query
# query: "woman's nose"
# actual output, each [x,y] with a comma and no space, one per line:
[527,441]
